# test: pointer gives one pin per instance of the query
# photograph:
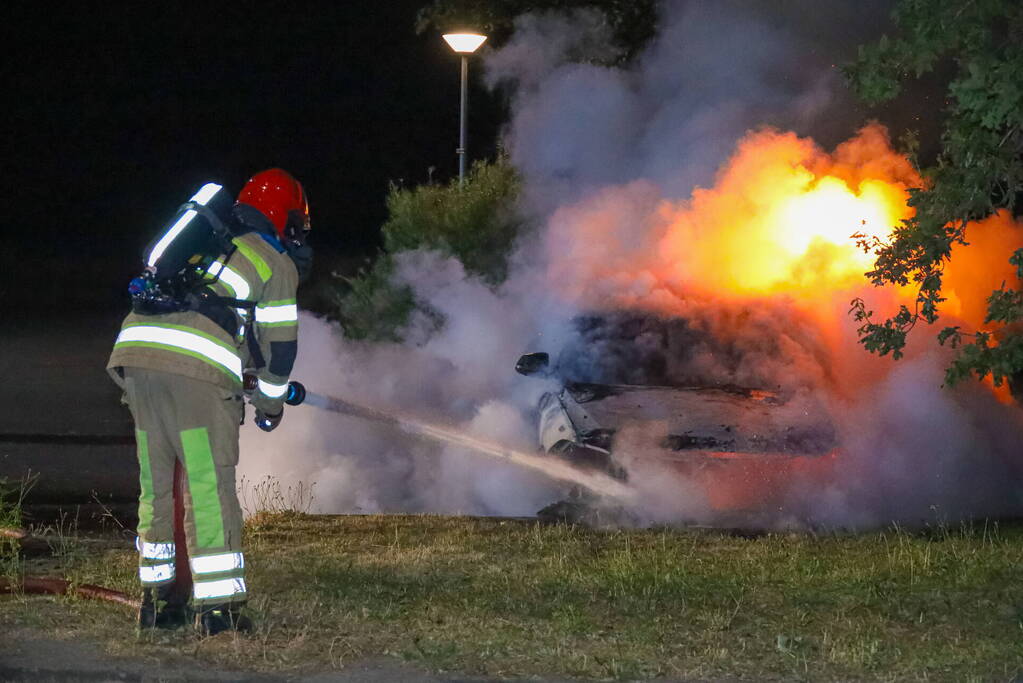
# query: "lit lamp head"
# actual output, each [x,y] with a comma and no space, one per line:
[464,43]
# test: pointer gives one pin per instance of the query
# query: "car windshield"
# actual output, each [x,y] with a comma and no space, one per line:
[644,350]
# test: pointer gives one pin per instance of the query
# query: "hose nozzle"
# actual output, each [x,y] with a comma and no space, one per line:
[296,393]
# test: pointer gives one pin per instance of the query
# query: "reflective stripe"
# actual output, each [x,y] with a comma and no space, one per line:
[145,484]
[202,476]
[210,564]
[277,314]
[155,551]
[232,278]
[170,236]
[257,261]
[205,193]
[273,390]
[188,341]
[156,573]
[222,588]
[203,196]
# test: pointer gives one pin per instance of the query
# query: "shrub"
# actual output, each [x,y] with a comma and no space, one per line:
[374,308]
[476,223]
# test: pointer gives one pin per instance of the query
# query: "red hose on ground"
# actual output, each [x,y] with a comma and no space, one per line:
[50,586]
[182,572]
[26,541]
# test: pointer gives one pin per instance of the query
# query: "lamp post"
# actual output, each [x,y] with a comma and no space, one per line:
[464,44]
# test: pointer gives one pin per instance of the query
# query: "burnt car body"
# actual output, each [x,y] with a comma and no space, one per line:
[659,413]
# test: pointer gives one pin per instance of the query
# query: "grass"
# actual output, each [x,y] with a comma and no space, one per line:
[509,598]
[12,497]
[266,496]
[517,598]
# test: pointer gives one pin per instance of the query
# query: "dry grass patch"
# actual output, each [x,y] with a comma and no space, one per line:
[515,598]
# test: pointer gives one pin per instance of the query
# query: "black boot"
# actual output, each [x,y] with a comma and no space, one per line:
[213,619]
[162,608]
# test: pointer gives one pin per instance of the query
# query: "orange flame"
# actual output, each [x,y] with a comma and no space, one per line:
[781,217]
[776,227]
[779,221]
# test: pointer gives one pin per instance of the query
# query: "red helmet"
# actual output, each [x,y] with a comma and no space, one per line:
[279,197]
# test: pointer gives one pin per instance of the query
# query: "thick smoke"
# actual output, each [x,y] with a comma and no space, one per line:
[716,70]
[463,375]
[635,272]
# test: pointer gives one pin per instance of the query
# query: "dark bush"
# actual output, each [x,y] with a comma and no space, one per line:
[477,223]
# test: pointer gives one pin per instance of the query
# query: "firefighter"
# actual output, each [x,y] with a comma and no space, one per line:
[182,374]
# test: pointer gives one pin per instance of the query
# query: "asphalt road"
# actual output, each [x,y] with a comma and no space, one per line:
[61,418]
[30,655]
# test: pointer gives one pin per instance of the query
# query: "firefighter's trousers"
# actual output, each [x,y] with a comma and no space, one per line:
[195,422]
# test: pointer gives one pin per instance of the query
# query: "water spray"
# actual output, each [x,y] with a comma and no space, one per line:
[596,482]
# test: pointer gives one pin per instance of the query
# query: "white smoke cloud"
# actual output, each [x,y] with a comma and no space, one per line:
[715,70]
[463,375]
[615,145]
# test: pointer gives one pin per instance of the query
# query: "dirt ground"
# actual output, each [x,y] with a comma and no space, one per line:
[28,654]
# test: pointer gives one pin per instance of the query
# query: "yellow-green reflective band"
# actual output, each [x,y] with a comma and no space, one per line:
[272,390]
[257,261]
[154,551]
[231,278]
[156,573]
[221,588]
[268,315]
[190,342]
[145,482]
[186,328]
[213,564]
[202,484]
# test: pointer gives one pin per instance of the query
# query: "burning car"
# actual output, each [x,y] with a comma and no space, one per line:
[624,391]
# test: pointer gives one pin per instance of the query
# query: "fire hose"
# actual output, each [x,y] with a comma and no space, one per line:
[54,586]
[297,395]
[597,482]
[51,586]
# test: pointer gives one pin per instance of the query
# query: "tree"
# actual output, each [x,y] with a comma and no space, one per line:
[978,171]
[477,223]
[633,22]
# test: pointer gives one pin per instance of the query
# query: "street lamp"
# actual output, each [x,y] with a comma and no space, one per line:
[464,44]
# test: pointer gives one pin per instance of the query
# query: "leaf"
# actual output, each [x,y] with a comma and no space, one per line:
[951,335]
[977,172]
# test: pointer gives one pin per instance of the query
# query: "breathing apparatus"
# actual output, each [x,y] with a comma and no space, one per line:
[178,261]
[180,264]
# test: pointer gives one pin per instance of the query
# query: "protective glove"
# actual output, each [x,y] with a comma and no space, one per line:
[268,423]
[249,383]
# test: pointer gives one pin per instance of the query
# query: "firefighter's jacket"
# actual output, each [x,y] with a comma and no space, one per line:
[190,343]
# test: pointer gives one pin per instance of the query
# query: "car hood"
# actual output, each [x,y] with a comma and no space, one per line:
[720,419]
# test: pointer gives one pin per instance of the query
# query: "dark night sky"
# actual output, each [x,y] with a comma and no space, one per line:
[121,110]
[117,112]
